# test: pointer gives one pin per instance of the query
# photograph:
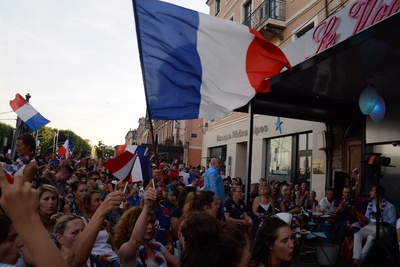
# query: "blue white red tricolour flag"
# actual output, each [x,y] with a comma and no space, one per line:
[198,66]
[133,165]
[355,171]
[9,177]
[66,148]
[27,113]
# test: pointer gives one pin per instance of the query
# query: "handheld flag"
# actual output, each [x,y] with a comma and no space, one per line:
[66,148]
[9,177]
[198,66]
[355,171]
[132,165]
[27,113]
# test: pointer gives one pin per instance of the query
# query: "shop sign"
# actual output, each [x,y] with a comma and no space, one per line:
[242,133]
[365,13]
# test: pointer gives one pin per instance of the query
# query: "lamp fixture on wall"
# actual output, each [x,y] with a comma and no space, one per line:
[372,104]
[204,127]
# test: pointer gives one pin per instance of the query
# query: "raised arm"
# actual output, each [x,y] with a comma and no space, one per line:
[127,252]
[20,203]
[83,245]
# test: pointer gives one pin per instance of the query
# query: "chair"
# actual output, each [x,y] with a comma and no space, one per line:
[285,216]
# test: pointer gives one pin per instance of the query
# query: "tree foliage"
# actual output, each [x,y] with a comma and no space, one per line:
[6,131]
[48,141]
[102,150]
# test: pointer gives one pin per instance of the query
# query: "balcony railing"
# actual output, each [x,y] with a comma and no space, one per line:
[269,9]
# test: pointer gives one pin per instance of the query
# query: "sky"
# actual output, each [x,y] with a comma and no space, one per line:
[79,61]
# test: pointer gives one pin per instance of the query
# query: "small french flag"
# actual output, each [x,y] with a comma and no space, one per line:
[66,148]
[27,113]
[355,171]
[132,165]
[9,177]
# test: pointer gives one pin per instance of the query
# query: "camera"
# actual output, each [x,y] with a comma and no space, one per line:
[377,159]
[374,162]
[395,144]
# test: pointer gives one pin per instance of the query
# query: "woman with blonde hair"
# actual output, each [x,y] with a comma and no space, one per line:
[288,203]
[48,206]
[47,210]
[263,205]
[76,239]
[288,207]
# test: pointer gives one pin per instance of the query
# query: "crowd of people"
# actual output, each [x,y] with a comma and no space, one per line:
[73,212]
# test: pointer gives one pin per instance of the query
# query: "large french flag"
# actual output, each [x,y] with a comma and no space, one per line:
[199,66]
[27,113]
[132,165]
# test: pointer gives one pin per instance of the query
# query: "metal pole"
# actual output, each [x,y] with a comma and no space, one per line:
[249,153]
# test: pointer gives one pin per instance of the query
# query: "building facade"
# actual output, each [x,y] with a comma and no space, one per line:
[176,140]
[333,59]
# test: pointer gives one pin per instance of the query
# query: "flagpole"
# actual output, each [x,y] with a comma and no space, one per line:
[145,84]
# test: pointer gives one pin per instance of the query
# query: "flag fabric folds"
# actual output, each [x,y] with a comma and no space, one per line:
[27,113]
[66,148]
[198,66]
[132,165]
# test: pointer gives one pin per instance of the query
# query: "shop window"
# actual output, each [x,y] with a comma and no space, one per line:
[304,30]
[304,162]
[289,158]
[279,158]
[217,7]
[247,13]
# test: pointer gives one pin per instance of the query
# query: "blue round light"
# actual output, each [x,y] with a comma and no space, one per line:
[368,100]
[378,113]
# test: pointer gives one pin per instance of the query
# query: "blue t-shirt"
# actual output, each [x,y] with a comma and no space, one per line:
[163,223]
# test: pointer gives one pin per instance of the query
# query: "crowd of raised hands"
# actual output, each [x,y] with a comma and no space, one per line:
[204,240]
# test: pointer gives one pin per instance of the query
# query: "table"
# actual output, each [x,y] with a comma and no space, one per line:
[313,251]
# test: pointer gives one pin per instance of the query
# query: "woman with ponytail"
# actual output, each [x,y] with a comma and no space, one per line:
[25,164]
[202,200]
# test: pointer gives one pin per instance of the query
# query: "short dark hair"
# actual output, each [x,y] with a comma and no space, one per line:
[65,169]
[92,173]
[380,190]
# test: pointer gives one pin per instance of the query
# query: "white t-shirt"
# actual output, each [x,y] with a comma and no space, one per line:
[325,205]
[102,247]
